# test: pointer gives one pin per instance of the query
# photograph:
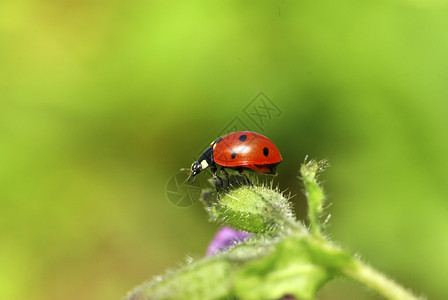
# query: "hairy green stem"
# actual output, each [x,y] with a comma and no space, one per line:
[379,282]
[358,271]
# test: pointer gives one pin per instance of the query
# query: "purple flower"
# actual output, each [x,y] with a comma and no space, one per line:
[225,238]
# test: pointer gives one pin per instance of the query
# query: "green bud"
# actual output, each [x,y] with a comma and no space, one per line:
[254,209]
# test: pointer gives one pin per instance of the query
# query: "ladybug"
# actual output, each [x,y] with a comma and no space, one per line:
[239,151]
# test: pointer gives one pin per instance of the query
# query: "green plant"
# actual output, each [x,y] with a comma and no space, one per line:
[282,258]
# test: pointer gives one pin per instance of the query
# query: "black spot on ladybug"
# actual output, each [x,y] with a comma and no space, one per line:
[233,155]
[265,151]
[242,137]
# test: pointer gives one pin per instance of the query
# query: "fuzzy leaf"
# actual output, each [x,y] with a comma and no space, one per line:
[298,266]
[206,279]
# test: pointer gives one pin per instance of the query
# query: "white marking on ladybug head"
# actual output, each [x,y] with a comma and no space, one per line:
[204,164]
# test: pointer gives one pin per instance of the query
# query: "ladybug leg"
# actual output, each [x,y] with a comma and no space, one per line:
[249,182]
[216,178]
[223,171]
[217,192]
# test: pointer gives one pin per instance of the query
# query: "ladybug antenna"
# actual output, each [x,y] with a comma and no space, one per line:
[190,174]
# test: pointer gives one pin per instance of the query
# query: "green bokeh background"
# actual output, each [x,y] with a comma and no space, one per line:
[102,102]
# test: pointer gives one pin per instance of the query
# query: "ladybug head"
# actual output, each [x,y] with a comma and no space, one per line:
[202,163]
[195,169]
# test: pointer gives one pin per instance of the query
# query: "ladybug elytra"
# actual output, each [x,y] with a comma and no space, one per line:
[239,150]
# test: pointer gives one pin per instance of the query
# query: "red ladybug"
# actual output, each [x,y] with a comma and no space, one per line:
[239,150]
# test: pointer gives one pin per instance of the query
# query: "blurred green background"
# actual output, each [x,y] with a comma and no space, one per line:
[102,102]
